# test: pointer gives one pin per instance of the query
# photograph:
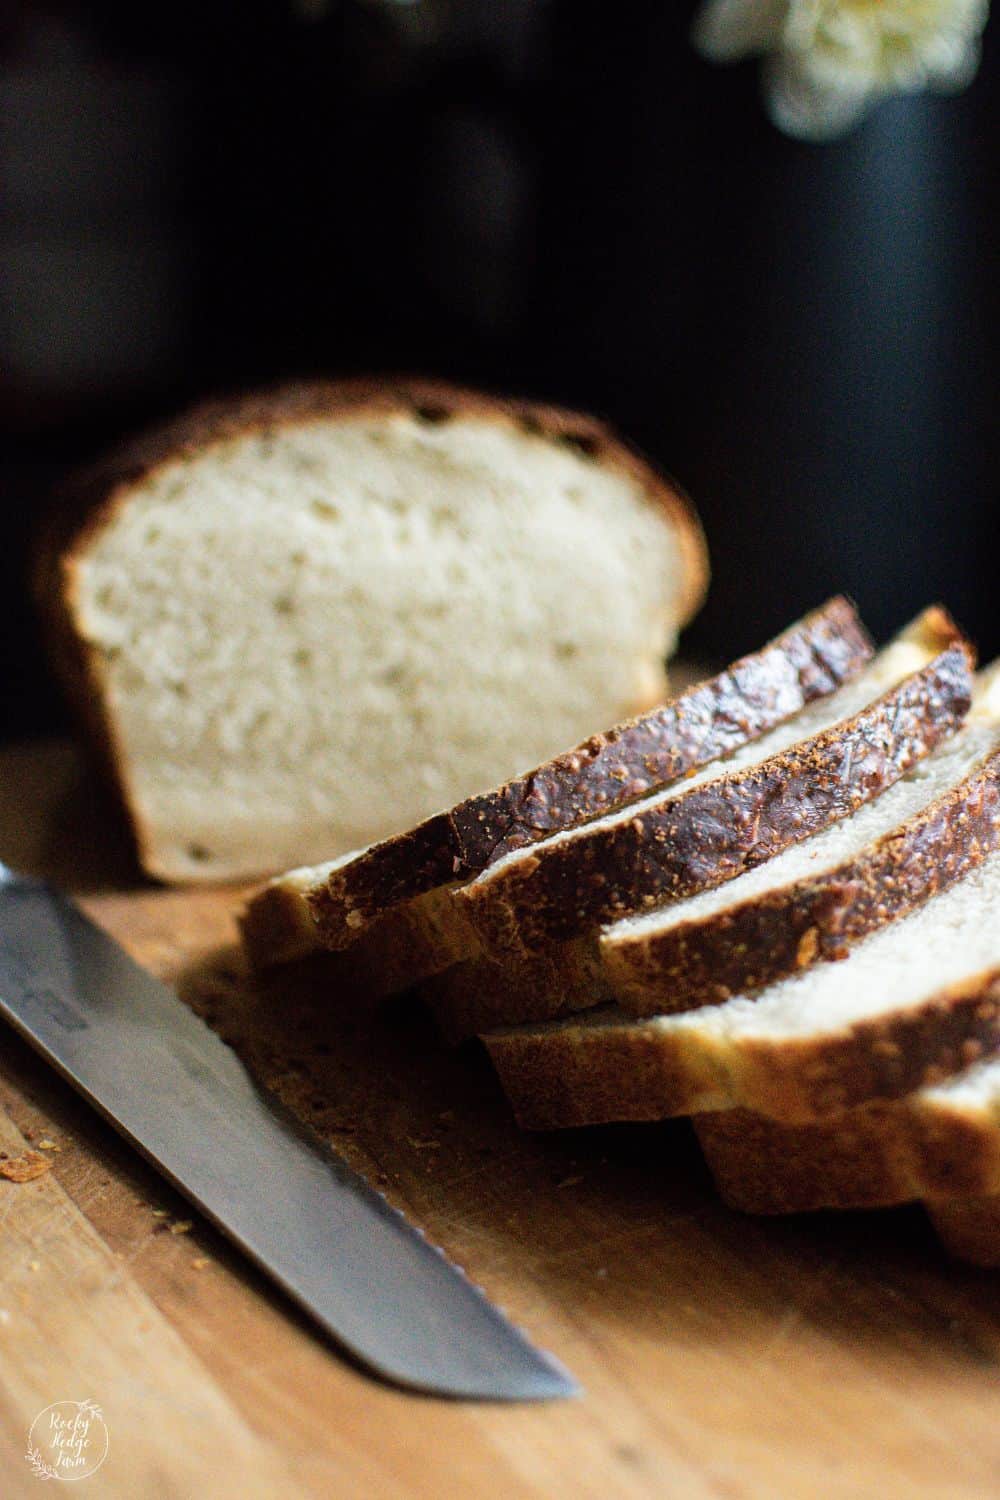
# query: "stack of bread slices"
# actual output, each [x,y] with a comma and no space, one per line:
[772,904]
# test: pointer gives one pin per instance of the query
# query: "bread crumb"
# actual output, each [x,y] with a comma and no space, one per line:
[24,1168]
[47,1145]
[569,1182]
[161,1213]
[808,948]
[182,1226]
[34,1265]
[200,1262]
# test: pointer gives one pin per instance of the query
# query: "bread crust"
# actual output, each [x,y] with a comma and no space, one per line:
[816,920]
[478,995]
[870,1157]
[591,1074]
[92,502]
[725,826]
[823,651]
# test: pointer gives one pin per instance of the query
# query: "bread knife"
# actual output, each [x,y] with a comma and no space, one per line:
[183,1099]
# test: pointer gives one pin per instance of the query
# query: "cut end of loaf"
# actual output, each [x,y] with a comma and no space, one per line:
[314,629]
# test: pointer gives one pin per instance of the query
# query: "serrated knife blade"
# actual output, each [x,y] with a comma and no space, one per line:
[178,1094]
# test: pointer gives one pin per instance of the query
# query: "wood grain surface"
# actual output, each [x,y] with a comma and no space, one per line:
[721,1357]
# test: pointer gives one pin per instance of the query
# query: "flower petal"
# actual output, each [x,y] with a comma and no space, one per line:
[726,30]
[959,71]
[803,107]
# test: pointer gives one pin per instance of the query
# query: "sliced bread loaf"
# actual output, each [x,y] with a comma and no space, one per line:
[332,905]
[900,1011]
[731,815]
[816,767]
[302,621]
[810,904]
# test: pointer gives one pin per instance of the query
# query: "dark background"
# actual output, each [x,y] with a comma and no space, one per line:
[554,198]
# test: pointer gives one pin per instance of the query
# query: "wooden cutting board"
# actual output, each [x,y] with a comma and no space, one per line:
[721,1356]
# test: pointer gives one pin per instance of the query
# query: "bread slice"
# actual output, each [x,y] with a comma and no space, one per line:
[733,815]
[333,905]
[899,1012]
[302,621]
[939,1143]
[810,904]
[819,898]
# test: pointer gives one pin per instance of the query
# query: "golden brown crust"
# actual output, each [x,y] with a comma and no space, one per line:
[97,493]
[762,940]
[477,995]
[870,1157]
[601,1070]
[95,498]
[970,1229]
[715,831]
[813,658]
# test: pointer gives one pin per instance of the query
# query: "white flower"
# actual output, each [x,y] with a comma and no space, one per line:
[827,61]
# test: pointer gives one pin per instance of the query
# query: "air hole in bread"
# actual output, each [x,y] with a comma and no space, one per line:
[302,657]
[566,650]
[584,442]
[284,604]
[324,510]
[152,535]
[530,424]
[199,854]
[431,412]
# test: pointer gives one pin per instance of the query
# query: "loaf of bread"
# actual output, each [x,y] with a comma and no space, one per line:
[788,930]
[303,621]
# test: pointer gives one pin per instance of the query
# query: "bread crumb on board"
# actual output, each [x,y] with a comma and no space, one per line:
[23,1168]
